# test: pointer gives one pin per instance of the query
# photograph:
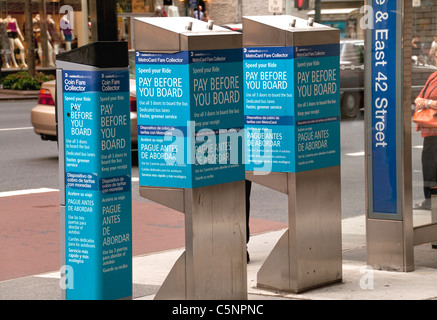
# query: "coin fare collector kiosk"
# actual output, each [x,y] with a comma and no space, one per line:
[190,118]
[93,115]
[292,143]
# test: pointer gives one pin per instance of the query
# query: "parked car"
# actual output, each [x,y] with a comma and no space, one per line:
[43,115]
[351,77]
[352,55]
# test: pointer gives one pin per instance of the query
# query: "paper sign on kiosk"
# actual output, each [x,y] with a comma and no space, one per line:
[190,112]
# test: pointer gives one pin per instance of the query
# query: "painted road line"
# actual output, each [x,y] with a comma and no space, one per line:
[24,192]
[14,129]
[356,154]
[361,153]
[39,190]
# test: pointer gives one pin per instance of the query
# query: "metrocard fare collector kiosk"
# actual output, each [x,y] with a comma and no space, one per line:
[190,120]
[292,130]
[93,114]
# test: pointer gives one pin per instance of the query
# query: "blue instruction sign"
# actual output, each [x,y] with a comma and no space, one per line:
[292,113]
[98,208]
[190,118]
[269,115]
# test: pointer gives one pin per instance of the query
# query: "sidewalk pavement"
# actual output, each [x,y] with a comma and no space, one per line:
[387,285]
[150,270]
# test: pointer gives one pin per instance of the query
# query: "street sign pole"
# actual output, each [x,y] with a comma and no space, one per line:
[388,138]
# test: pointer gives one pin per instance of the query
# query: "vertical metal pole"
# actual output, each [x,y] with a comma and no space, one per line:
[103,20]
[389,214]
[434,213]
[30,48]
[44,39]
[213,265]
[216,254]
[61,148]
[318,8]
[83,37]
[308,255]
[239,10]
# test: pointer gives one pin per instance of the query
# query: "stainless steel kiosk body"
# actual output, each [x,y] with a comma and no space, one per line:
[189,91]
[93,117]
[292,114]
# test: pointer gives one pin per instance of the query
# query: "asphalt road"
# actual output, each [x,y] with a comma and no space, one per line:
[27,162]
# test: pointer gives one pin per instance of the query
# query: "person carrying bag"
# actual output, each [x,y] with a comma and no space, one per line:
[426,108]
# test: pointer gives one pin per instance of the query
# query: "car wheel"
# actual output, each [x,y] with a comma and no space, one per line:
[350,104]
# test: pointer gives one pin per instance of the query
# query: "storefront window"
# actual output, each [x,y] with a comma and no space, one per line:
[46,15]
[67,31]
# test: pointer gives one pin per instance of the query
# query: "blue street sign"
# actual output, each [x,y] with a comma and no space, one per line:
[384,100]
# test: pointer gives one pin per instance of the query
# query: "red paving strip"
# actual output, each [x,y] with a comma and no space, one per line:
[30,237]
[29,233]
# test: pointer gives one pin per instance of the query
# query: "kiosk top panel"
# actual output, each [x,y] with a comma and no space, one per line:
[285,30]
[100,54]
[182,33]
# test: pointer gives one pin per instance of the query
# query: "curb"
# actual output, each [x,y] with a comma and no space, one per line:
[9,94]
[19,92]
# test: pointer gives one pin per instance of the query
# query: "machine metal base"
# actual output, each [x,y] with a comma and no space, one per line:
[213,265]
[428,232]
[390,243]
[308,255]
[174,286]
[386,246]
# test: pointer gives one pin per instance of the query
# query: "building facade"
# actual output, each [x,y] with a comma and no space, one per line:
[342,14]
